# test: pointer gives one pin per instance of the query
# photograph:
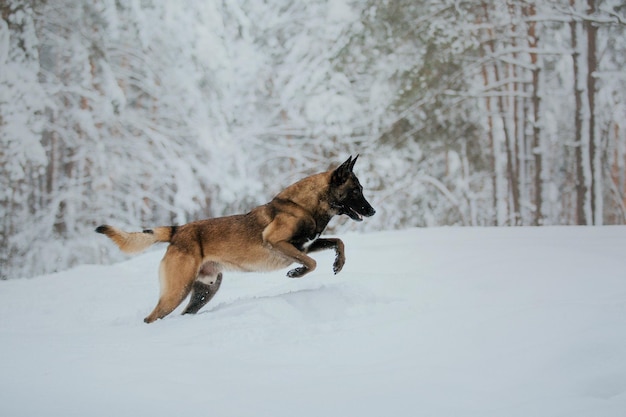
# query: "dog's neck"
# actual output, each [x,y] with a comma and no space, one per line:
[311,193]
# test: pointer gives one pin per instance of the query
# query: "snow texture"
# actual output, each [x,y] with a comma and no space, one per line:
[431,322]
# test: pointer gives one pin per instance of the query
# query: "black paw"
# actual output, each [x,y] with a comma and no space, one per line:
[338,265]
[297,272]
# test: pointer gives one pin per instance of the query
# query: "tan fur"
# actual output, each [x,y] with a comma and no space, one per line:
[268,238]
[135,242]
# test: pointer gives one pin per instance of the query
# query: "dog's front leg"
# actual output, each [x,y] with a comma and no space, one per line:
[330,243]
[291,252]
[278,234]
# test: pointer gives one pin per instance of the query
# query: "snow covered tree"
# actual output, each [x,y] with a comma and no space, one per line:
[22,158]
[466,112]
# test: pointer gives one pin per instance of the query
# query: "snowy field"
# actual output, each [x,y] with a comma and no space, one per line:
[454,322]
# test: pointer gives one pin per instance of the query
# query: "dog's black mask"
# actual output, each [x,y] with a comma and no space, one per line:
[346,192]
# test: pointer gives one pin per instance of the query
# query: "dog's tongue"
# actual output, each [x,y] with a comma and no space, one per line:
[356,216]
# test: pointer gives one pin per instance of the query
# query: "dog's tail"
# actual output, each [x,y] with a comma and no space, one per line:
[133,242]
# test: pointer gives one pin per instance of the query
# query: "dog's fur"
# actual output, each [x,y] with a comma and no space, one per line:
[269,237]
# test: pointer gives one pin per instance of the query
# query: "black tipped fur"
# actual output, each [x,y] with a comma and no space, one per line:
[103,229]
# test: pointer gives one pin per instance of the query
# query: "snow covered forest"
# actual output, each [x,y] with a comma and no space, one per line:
[142,113]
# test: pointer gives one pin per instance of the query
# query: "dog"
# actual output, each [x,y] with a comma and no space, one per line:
[269,237]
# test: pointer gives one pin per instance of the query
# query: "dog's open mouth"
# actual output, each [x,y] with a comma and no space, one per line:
[354,215]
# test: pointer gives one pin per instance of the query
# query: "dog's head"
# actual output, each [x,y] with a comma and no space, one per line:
[346,193]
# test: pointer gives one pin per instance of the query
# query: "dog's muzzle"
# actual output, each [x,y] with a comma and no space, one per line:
[357,215]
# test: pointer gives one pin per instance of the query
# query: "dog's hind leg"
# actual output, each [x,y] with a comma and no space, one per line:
[177,272]
[204,288]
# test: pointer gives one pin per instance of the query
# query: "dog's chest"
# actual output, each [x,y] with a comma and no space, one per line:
[307,235]
[309,241]
[303,241]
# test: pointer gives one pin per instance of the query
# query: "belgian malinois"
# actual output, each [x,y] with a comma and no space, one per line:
[269,237]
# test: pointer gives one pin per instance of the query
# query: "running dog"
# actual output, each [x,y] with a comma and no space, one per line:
[270,237]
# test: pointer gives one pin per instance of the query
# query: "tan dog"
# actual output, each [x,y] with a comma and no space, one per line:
[269,237]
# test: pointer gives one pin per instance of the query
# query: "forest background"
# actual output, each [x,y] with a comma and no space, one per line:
[143,113]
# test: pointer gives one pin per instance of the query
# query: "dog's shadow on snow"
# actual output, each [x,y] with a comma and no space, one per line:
[323,302]
[298,296]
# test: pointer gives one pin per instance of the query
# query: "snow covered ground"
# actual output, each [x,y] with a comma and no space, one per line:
[425,322]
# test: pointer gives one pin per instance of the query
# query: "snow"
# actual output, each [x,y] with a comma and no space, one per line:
[430,322]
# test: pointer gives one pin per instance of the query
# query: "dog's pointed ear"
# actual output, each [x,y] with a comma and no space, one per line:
[342,172]
[353,162]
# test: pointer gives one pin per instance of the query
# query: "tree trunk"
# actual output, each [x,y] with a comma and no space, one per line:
[594,140]
[511,179]
[582,184]
[533,42]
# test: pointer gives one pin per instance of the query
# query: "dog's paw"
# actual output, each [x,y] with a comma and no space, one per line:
[338,264]
[297,272]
